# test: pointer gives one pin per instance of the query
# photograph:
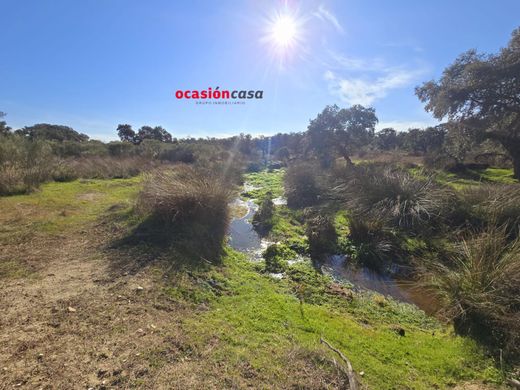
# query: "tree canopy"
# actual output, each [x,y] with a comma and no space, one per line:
[343,130]
[50,132]
[4,129]
[158,133]
[481,92]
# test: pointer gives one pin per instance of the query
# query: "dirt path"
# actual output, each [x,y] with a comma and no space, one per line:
[76,324]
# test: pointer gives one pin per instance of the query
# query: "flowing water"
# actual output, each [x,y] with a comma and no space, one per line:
[244,238]
[340,268]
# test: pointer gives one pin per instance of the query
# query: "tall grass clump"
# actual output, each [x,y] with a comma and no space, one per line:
[492,204]
[191,205]
[373,245]
[321,235]
[24,164]
[396,196]
[302,185]
[97,167]
[479,285]
[263,218]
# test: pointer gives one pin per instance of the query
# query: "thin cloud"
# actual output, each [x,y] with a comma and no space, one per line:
[325,15]
[366,90]
[406,125]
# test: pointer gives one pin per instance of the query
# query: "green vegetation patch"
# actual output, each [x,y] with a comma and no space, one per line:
[264,182]
[260,319]
[57,207]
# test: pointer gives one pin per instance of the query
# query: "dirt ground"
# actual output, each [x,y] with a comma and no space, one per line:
[79,324]
[88,316]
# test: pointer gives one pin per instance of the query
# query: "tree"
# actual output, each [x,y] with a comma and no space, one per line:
[422,141]
[156,133]
[481,92]
[459,141]
[4,129]
[387,139]
[340,130]
[50,132]
[126,133]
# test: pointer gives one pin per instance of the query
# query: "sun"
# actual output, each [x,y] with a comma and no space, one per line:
[284,31]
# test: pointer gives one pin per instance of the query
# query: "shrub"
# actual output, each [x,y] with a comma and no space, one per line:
[321,235]
[254,167]
[101,168]
[395,196]
[24,164]
[192,203]
[491,204]
[263,218]
[302,187]
[374,246]
[276,257]
[479,286]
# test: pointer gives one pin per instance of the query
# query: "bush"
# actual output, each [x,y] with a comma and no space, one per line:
[263,218]
[374,246]
[192,203]
[302,187]
[100,168]
[491,204]
[479,286]
[395,196]
[276,258]
[321,235]
[24,164]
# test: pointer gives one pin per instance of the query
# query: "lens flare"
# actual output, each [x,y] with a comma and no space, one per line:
[284,31]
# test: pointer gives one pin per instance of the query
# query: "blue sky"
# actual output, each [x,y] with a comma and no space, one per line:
[97,63]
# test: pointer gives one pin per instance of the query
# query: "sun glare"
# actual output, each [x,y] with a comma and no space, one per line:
[284,31]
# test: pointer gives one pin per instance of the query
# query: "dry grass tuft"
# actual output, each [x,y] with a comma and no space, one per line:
[192,204]
[480,287]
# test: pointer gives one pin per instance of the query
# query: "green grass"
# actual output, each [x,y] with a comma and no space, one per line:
[249,316]
[266,182]
[471,177]
[57,207]
[259,319]
[498,175]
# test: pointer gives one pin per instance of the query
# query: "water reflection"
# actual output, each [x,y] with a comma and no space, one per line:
[242,236]
[340,268]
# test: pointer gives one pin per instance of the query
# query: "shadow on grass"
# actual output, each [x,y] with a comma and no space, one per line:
[180,245]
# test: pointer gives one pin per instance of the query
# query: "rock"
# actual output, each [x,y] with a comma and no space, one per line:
[361,373]
[71,309]
[139,288]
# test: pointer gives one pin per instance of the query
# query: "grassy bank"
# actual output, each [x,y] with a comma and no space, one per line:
[213,326]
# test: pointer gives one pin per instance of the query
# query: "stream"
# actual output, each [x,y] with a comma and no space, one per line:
[244,238]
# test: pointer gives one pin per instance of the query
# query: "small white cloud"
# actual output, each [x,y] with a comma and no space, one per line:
[340,61]
[406,125]
[365,91]
[325,15]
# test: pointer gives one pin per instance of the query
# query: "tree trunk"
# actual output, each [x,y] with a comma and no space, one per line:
[516,166]
[344,153]
[512,145]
